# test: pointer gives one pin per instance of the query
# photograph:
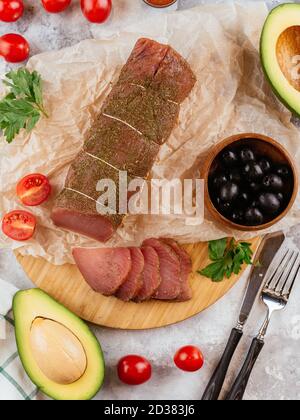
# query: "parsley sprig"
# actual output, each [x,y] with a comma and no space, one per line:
[23,106]
[228,257]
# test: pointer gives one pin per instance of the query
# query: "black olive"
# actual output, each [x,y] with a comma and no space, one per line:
[224,208]
[229,192]
[280,197]
[273,182]
[265,165]
[254,203]
[269,203]
[247,154]
[218,180]
[237,217]
[254,186]
[229,158]
[235,176]
[253,171]
[243,199]
[254,217]
[284,171]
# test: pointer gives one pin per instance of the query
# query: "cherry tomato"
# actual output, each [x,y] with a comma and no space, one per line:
[19,225]
[56,6]
[11,10]
[33,189]
[189,359]
[14,48]
[96,11]
[134,370]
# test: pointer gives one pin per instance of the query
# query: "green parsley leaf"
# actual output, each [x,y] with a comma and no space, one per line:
[228,258]
[217,248]
[214,271]
[22,107]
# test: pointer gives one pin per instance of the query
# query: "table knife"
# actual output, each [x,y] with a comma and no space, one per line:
[263,258]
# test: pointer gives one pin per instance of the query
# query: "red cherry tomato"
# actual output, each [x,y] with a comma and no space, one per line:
[33,189]
[14,48]
[189,359]
[96,11]
[11,10]
[19,225]
[134,370]
[56,6]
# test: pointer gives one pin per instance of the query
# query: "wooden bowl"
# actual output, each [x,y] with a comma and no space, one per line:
[265,146]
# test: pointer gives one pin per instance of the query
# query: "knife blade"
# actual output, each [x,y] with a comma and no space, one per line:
[263,258]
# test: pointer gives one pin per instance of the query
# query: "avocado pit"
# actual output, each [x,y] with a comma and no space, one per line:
[288,55]
[57,351]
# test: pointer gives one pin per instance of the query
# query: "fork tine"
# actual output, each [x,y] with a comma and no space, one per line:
[288,267]
[288,273]
[294,280]
[276,276]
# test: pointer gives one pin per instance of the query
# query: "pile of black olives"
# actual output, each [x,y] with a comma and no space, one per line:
[249,189]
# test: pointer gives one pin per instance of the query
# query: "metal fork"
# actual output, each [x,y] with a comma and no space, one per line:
[275,296]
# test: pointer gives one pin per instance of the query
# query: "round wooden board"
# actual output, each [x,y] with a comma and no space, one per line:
[66,285]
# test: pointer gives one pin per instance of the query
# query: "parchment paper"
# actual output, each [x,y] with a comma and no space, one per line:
[231,96]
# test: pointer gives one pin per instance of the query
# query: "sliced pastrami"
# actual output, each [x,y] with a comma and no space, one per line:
[151,275]
[170,286]
[134,281]
[104,269]
[185,269]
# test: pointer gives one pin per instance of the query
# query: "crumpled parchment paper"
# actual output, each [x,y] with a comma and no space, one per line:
[231,96]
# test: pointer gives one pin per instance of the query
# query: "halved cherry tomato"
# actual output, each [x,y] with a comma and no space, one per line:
[96,11]
[11,10]
[189,359]
[134,370]
[33,189]
[19,225]
[56,6]
[14,48]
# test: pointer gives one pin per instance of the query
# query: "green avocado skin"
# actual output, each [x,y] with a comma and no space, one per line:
[86,395]
[262,59]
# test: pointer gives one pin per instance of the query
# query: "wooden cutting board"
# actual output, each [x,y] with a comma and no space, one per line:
[66,285]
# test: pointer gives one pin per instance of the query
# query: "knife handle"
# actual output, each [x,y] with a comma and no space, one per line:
[239,387]
[214,387]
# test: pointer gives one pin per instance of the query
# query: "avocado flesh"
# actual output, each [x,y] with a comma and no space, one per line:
[31,304]
[279,20]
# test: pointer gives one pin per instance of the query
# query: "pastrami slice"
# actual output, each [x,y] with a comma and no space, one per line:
[134,281]
[170,286]
[185,269]
[104,269]
[151,275]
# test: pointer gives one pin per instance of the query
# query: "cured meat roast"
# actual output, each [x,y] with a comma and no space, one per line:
[137,118]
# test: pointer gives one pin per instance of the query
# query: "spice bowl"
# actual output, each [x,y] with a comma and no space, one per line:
[160,3]
[251,182]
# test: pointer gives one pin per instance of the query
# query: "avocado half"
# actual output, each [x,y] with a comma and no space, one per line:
[280,54]
[33,304]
